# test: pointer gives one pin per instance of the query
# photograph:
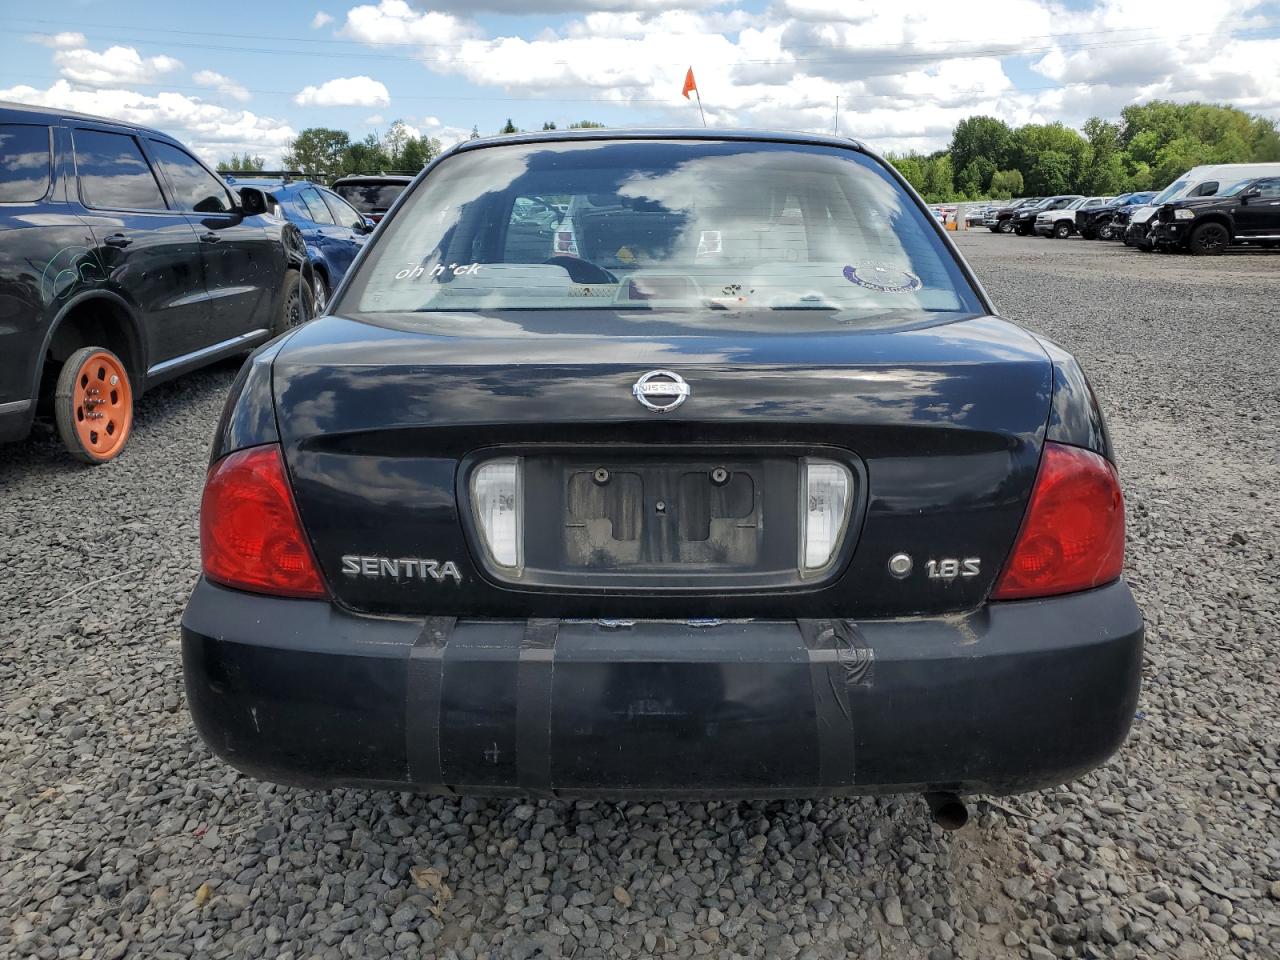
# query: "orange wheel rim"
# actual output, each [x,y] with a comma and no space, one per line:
[103,402]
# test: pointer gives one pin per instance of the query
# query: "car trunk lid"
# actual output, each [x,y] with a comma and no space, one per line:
[940,427]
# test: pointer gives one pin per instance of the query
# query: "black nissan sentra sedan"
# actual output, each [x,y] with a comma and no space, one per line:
[728,482]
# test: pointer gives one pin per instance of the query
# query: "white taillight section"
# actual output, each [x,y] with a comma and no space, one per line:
[496,499]
[827,488]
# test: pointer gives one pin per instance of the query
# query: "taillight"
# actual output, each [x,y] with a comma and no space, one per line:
[1072,536]
[497,498]
[827,494]
[251,537]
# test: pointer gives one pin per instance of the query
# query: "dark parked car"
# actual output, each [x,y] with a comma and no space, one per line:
[1101,223]
[372,194]
[1245,212]
[1024,218]
[333,230]
[124,261]
[751,495]
[1000,220]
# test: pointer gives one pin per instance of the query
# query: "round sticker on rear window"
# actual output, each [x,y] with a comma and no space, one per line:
[882,277]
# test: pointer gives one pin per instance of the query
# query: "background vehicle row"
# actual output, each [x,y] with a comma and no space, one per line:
[124,261]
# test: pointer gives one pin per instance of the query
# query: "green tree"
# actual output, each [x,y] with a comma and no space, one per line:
[912,168]
[549,125]
[418,152]
[939,182]
[1006,184]
[1105,173]
[247,161]
[509,127]
[981,138]
[318,151]
[586,125]
[1169,138]
[393,143]
[1066,169]
[475,133]
[364,156]
[975,178]
[1050,173]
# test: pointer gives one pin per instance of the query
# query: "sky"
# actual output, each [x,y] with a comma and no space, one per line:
[232,76]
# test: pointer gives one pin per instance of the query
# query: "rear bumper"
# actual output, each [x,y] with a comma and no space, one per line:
[1012,697]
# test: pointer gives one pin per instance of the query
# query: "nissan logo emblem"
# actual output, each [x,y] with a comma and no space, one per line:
[661,391]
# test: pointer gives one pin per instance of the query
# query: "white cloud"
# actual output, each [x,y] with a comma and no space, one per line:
[374,120]
[345,92]
[526,7]
[395,22]
[224,85]
[213,131]
[321,19]
[447,134]
[115,65]
[60,40]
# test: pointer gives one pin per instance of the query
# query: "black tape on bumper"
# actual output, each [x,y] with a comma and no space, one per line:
[533,706]
[839,659]
[422,702]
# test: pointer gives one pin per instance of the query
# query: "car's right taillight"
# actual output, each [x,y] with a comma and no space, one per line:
[1072,536]
[251,537]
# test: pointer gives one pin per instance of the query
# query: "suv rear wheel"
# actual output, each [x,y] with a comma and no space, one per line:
[1062,230]
[93,405]
[295,305]
[1208,239]
[1006,226]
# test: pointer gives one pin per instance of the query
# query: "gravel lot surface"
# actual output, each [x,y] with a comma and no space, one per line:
[120,835]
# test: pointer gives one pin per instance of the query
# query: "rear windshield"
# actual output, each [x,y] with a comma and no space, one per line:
[687,226]
[370,197]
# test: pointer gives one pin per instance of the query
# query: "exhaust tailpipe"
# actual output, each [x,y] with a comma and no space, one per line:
[948,810]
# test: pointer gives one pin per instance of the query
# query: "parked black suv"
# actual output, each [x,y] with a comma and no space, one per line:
[1246,211]
[1024,220]
[1099,223]
[124,262]
[1000,220]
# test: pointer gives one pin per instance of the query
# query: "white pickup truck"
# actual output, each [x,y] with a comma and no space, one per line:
[1062,223]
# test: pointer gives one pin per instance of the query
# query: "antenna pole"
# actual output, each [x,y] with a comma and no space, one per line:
[835,124]
[703,115]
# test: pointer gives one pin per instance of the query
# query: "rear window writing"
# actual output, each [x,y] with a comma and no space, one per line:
[672,225]
[24,162]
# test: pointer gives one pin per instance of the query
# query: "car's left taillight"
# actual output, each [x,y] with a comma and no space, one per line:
[1072,535]
[251,536]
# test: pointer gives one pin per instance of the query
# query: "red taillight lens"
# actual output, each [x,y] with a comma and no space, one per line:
[1072,537]
[251,536]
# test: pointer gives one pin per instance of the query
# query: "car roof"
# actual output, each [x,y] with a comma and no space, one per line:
[375,178]
[660,133]
[273,183]
[30,114]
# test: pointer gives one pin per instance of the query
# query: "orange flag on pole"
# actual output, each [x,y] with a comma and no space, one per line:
[689,83]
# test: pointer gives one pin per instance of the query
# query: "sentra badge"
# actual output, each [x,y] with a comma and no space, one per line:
[405,568]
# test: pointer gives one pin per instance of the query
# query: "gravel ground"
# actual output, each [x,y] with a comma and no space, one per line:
[122,836]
